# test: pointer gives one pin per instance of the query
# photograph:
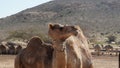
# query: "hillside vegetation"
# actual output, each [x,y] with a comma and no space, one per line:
[97,18]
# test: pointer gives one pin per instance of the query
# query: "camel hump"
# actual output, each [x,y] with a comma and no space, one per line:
[35,41]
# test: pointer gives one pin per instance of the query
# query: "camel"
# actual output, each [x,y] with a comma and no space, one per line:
[14,47]
[98,49]
[84,41]
[37,54]
[70,47]
[11,49]
[108,49]
[18,49]
[2,49]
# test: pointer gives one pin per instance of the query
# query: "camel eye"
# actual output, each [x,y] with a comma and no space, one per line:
[72,27]
[61,28]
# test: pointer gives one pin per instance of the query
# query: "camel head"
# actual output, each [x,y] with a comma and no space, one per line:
[61,32]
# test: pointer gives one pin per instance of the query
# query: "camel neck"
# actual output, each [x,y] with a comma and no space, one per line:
[59,54]
[59,46]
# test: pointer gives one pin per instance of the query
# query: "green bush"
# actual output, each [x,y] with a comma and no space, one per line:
[18,34]
[111,38]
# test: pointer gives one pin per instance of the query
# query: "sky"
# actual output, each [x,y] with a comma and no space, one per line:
[9,7]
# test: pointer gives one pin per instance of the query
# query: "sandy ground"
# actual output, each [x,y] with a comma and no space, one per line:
[105,61]
[7,61]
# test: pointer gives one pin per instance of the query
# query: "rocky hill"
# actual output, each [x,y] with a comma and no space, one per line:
[95,17]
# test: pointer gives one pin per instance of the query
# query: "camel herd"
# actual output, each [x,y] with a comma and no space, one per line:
[69,49]
[10,48]
[104,49]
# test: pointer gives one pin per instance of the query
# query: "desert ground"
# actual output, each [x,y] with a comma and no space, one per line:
[7,61]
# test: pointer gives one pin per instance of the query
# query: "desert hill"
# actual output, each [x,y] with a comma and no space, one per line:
[95,17]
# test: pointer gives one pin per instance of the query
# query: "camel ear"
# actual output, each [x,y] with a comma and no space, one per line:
[50,25]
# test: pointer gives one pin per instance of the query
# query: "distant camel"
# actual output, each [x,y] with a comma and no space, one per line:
[98,49]
[2,49]
[108,49]
[11,49]
[18,49]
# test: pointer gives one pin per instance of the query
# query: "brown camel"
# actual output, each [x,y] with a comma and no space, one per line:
[109,49]
[37,54]
[2,49]
[11,49]
[18,49]
[70,47]
[97,49]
